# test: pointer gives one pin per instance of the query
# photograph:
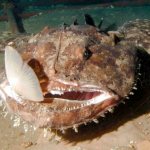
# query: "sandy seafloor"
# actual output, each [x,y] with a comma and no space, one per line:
[128,128]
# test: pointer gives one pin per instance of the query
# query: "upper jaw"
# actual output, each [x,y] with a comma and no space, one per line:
[65,85]
[79,92]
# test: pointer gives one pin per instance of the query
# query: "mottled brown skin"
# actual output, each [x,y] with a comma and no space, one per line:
[105,66]
[138,33]
[58,56]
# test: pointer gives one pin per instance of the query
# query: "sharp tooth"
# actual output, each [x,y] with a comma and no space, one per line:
[82,105]
[127,97]
[111,110]
[131,93]
[54,92]
[63,131]
[135,88]
[75,128]
[74,107]
[102,115]
[95,120]
[85,123]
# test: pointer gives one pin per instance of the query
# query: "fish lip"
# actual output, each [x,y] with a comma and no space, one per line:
[92,101]
[81,89]
[95,93]
[75,86]
[71,83]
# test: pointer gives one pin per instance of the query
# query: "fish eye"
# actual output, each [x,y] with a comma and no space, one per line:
[87,54]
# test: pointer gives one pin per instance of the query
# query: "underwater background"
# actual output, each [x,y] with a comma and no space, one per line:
[54,13]
[34,15]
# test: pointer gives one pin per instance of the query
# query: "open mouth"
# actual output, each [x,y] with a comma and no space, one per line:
[74,95]
[73,98]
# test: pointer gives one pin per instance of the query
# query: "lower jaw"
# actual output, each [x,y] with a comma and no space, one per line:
[54,113]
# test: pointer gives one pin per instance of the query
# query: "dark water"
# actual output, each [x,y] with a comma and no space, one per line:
[56,15]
